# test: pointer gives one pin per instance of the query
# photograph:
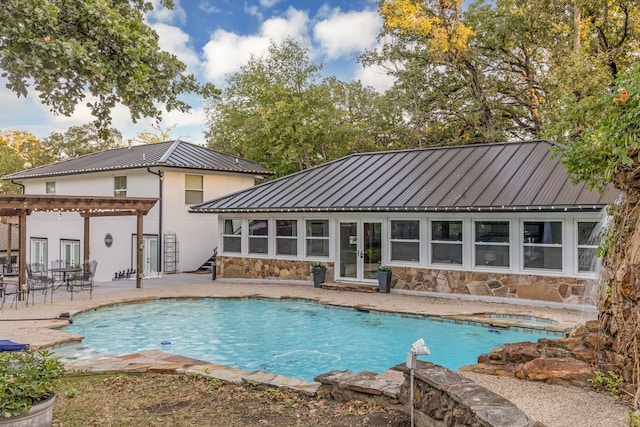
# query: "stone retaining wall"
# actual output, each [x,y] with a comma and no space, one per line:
[441,397]
[542,288]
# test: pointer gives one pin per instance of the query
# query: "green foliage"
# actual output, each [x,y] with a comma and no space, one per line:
[277,112]
[609,382]
[384,268]
[319,265]
[634,419]
[26,378]
[67,50]
[607,153]
[81,140]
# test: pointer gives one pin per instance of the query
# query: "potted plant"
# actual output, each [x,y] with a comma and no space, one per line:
[384,279]
[319,270]
[27,381]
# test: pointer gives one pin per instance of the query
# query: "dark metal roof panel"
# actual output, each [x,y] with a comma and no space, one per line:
[178,154]
[499,176]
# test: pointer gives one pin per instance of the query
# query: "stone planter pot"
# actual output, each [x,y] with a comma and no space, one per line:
[40,415]
[318,276]
[384,282]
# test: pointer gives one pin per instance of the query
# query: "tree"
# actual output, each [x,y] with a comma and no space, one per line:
[512,69]
[608,154]
[80,140]
[156,134]
[276,111]
[19,151]
[67,50]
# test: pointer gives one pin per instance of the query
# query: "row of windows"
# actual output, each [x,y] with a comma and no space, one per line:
[193,184]
[286,237]
[542,241]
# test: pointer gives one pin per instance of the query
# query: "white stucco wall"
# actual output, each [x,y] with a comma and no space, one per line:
[196,233]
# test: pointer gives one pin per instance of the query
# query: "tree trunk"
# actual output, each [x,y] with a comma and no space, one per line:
[620,284]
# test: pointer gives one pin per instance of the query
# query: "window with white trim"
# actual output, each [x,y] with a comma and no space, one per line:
[588,241]
[232,236]
[317,237]
[491,244]
[50,187]
[286,237]
[258,236]
[542,245]
[405,240]
[120,186]
[446,242]
[193,189]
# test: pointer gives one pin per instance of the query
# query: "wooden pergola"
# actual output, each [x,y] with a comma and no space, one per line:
[22,205]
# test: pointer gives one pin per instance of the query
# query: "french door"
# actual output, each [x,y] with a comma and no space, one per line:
[39,251]
[360,252]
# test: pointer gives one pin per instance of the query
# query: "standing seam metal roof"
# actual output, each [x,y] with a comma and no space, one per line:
[514,176]
[176,153]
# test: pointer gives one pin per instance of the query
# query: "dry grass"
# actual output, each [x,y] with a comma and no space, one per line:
[180,400]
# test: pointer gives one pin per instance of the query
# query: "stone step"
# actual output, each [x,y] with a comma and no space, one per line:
[350,286]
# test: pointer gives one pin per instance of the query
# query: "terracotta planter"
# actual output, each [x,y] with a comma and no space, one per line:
[40,415]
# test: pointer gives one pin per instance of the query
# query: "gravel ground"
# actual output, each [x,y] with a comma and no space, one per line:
[555,406]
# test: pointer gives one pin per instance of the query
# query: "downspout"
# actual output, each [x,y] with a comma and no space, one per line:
[160,236]
[17,183]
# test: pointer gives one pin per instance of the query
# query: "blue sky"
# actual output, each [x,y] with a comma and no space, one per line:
[214,38]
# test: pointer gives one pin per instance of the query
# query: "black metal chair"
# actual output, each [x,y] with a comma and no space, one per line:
[83,280]
[8,290]
[38,280]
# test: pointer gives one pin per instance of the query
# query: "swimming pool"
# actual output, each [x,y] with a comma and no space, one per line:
[290,337]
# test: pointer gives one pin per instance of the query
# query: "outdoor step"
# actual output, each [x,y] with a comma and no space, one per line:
[351,287]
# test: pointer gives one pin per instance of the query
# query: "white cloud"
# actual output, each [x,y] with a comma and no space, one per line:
[346,33]
[226,52]
[375,77]
[208,8]
[269,3]
[175,41]
[177,15]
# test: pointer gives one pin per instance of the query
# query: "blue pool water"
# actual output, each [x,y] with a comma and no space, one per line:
[292,337]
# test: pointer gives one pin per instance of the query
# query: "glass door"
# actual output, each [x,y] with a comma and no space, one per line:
[360,250]
[39,252]
[149,254]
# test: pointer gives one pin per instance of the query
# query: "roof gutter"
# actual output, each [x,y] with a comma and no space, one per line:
[160,176]
[17,183]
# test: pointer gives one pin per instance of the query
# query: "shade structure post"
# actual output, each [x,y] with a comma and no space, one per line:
[139,247]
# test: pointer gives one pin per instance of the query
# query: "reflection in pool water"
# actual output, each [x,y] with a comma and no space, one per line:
[292,337]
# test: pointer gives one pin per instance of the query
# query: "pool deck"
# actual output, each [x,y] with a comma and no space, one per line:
[36,325]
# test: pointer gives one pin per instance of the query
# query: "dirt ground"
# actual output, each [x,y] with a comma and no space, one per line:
[180,400]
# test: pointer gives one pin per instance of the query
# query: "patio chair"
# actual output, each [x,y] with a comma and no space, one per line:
[8,290]
[83,280]
[38,280]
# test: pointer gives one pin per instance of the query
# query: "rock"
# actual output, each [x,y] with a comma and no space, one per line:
[540,292]
[549,370]
[521,352]
[479,288]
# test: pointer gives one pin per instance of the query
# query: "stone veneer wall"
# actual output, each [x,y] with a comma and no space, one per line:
[543,288]
[255,268]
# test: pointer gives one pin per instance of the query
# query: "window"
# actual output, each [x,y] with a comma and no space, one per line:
[588,240]
[286,237]
[232,236]
[50,187]
[120,186]
[446,242]
[193,189]
[542,245]
[317,237]
[258,236]
[492,243]
[405,240]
